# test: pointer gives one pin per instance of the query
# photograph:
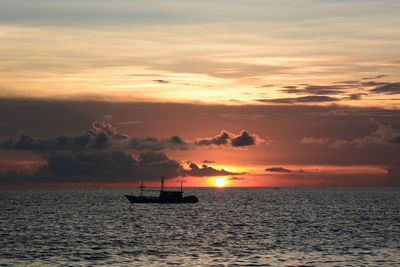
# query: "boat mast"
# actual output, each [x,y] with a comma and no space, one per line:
[162,183]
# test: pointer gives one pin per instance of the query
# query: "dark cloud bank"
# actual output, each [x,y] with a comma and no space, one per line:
[97,155]
[108,167]
[300,134]
[103,135]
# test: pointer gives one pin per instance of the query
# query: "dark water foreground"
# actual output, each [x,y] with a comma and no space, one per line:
[254,226]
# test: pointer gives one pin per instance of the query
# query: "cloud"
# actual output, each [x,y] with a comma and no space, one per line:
[304,99]
[318,89]
[103,166]
[349,82]
[314,140]
[107,128]
[98,167]
[266,85]
[325,89]
[339,122]
[389,89]
[244,139]
[293,91]
[277,169]
[395,140]
[321,93]
[373,83]
[162,81]
[393,173]
[102,141]
[103,135]
[375,77]
[233,178]
[383,135]
[326,92]
[128,122]
[221,139]
[355,96]
[208,161]
[227,138]
[96,138]
[89,164]
[152,143]
[205,170]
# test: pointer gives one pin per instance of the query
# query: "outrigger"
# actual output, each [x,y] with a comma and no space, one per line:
[164,197]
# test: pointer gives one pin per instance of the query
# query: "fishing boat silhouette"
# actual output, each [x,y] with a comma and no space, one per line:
[164,197]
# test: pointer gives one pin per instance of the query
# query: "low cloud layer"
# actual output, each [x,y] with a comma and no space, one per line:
[98,155]
[103,135]
[108,167]
[316,127]
[205,171]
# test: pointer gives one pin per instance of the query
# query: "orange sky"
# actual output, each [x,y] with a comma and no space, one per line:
[308,87]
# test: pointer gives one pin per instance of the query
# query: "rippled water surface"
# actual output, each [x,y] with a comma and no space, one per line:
[229,226]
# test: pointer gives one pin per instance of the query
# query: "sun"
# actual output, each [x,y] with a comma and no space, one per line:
[220,181]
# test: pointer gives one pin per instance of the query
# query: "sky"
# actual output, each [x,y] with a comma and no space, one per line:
[262,93]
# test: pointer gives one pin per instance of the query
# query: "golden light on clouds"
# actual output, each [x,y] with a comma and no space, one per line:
[154,63]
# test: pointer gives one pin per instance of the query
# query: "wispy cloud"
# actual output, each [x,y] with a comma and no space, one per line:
[389,89]
[375,77]
[303,99]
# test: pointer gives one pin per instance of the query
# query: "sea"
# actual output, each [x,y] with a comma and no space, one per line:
[228,227]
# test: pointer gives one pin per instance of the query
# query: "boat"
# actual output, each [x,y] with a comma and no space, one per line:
[164,197]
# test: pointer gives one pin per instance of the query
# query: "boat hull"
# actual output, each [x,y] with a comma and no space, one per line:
[136,199]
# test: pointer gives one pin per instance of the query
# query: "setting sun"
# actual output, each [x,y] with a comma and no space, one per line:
[220,181]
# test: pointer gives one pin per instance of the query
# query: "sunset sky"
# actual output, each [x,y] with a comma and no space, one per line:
[260,92]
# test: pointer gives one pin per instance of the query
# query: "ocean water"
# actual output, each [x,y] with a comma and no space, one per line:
[228,227]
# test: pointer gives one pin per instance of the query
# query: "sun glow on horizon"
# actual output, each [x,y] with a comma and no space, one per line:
[220,181]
